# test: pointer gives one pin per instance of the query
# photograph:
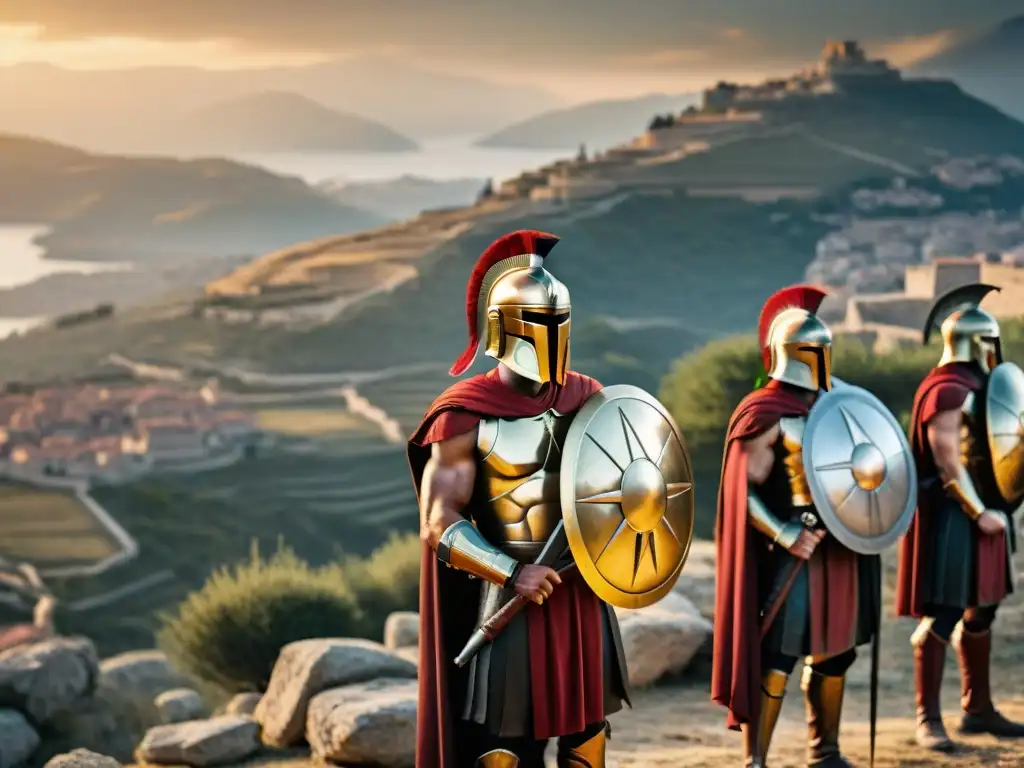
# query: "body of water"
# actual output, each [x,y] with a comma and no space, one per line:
[448,158]
[22,262]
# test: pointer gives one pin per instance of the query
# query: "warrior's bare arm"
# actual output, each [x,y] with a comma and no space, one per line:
[944,439]
[791,535]
[447,487]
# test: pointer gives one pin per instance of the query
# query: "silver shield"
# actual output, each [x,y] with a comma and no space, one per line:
[859,469]
[1004,417]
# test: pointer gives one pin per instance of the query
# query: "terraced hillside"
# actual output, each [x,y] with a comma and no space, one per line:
[52,529]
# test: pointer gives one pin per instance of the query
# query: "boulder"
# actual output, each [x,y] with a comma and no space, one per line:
[44,679]
[180,705]
[82,758]
[402,630]
[243,703]
[141,674]
[199,743]
[307,667]
[370,723]
[18,739]
[661,639]
[697,580]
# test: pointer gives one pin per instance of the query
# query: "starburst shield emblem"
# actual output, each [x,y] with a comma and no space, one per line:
[627,496]
[860,469]
[1004,417]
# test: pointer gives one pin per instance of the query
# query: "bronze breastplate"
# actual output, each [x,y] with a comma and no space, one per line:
[786,488]
[519,461]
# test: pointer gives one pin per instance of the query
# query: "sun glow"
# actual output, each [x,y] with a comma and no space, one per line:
[24,44]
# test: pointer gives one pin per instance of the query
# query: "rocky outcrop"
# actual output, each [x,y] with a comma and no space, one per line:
[141,674]
[366,724]
[180,705]
[402,630]
[201,743]
[18,739]
[243,704]
[82,758]
[697,580]
[662,639]
[44,679]
[306,668]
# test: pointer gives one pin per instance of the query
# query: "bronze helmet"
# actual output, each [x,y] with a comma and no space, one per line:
[519,308]
[969,333]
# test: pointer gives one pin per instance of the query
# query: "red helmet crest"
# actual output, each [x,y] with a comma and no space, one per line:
[514,245]
[806,297]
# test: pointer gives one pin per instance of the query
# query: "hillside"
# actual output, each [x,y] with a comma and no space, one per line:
[406,196]
[597,124]
[279,121]
[151,209]
[987,65]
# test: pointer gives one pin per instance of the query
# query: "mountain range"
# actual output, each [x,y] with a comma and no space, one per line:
[989,65]
[118,110]
[277,121]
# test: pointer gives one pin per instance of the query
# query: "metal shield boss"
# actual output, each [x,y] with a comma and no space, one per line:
[627,496]
[860,470]
[1004,424]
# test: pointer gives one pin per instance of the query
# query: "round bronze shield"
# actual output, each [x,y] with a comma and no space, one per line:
[859,469]
[1004,417]
[627,496]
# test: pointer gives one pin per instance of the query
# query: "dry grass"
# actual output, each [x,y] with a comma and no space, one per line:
[301,421]
[49,528]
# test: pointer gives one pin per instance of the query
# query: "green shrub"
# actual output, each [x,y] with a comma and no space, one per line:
[230,632]
[387,581]
[704,387]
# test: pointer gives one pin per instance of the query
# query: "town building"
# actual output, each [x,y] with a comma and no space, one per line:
[117,434]
[898,317]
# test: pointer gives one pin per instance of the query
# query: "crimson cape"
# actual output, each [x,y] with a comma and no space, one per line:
[567,673]
[944,389]
[736,660]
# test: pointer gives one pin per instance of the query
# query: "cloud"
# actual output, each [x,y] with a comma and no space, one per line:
[670,58]
[525,35]
[733,33]
[910,50]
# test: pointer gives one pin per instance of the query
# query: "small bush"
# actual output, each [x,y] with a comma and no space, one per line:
[230,632]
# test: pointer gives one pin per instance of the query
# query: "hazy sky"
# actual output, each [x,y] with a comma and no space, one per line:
[570,46]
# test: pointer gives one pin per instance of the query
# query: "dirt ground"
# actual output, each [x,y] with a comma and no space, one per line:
[677,725]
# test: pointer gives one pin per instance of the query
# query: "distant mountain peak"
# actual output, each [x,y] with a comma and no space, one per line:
[284,121]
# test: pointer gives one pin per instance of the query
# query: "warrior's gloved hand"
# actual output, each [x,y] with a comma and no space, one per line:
[991,522]
[536,583]
[806,543]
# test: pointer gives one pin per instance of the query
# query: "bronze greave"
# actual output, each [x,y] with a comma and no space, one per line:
[824,698]
[758,740]
[497,758]
[589,754]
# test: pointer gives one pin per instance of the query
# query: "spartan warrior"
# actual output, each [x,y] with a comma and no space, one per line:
[519,511]
[812,468]
[966,429]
